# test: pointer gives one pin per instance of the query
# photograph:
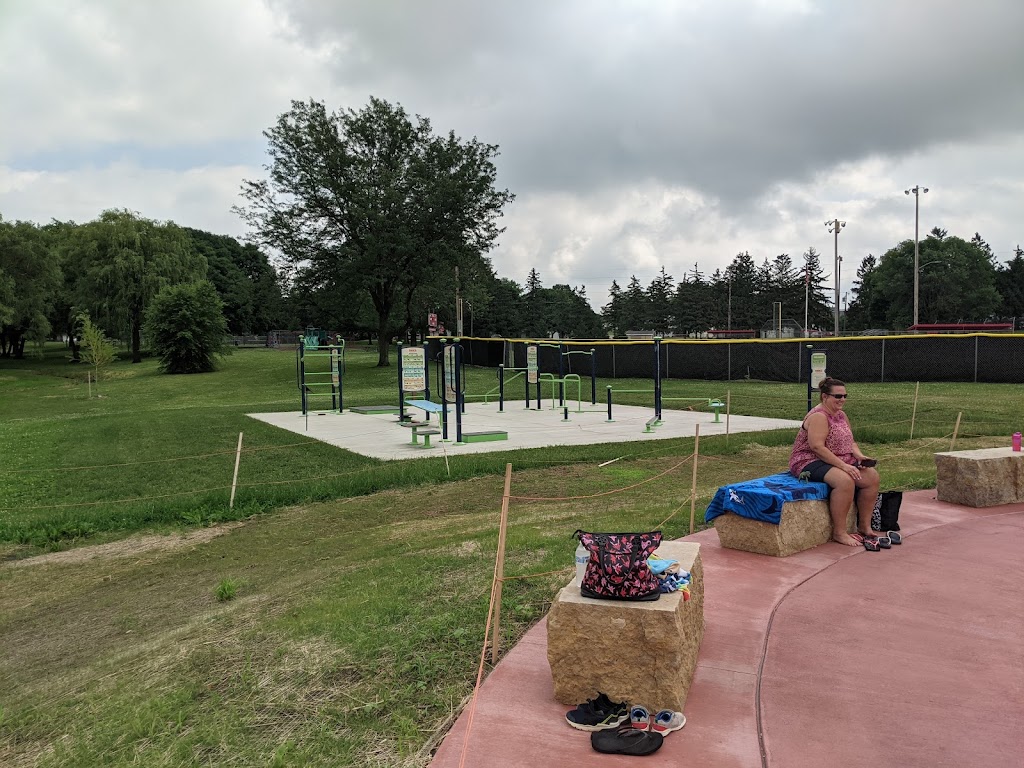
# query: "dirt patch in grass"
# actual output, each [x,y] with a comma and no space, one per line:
[130,547]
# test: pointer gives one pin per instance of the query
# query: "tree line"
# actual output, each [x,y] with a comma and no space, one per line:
[367,220]
[112,268]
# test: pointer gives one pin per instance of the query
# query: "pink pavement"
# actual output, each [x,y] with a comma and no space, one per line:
[831,657]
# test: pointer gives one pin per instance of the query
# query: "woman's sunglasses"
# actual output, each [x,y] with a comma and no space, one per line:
[837,397]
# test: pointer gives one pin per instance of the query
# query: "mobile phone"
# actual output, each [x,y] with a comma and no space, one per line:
[867,462]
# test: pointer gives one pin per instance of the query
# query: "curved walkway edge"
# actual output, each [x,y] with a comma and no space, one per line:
[822,636]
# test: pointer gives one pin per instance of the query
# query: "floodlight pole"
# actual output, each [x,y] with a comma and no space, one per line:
[918,191]
[834,226]
[807,295]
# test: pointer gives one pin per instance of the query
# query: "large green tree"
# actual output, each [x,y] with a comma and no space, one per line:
[635,306]
[245,280]
[29,280]
[957,283]
[504,313]
[374,201]
[694,306]
[123,261]
[187,326]
[611,313]
[1010,282]
[659,302]
[570,314]
[866,302]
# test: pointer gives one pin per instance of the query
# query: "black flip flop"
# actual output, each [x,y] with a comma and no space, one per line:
[626,740]
[894,537]
[870,544]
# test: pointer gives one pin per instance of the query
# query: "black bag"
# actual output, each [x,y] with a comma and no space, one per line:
[886,515]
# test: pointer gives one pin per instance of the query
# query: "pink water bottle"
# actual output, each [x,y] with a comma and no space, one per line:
[1016,441]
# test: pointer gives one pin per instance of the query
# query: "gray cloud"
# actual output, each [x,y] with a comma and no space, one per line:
[727,97]
[635,134]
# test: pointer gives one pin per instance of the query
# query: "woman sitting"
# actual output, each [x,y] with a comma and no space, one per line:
[825,452]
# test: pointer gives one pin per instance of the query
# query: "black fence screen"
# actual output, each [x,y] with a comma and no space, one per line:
[993,358]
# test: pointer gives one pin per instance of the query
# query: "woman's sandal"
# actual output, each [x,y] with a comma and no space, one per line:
[871,544]
[894,537]
[626,740]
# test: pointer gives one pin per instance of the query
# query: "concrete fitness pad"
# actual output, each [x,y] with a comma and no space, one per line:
[380,436]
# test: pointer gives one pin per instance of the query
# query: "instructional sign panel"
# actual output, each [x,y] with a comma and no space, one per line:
[449,373]
[531,364]
[818,362]
[413,369]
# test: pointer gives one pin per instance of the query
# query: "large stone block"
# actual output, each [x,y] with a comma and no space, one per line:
[641,652]
[983,478]
[803,524]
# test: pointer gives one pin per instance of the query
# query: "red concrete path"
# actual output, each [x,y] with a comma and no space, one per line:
[786,642]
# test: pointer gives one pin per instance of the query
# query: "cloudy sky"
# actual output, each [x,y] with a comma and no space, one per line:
[634,134]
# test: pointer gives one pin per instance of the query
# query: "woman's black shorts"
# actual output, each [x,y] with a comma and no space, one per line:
[818,470]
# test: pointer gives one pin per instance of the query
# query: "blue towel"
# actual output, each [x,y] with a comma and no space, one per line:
[762,499]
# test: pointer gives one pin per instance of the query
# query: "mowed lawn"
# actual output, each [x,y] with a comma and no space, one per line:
[356,622]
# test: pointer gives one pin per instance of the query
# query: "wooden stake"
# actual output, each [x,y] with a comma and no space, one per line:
[956,429]
[913,416]
[728,408]
[88,377]
[234,478]
[693,485]
[499,565]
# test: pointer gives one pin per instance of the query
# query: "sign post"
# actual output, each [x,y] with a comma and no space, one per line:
[817,361]
[532,376]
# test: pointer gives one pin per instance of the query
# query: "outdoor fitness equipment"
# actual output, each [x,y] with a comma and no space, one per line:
[655,421]
[451,378]
[534,378]
[311,377]
[413,377]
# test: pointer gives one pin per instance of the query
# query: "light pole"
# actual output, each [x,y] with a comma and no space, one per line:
[918,191]
[807,293]
[834,226]
[839,280]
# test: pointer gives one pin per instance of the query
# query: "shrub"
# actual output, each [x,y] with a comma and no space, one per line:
[186,327]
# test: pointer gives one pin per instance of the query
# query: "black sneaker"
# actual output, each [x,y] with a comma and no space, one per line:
[598,714]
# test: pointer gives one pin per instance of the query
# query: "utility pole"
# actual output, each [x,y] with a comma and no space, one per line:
[918,191]
[834,226]
[807,294]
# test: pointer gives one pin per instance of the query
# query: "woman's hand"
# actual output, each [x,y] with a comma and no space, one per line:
[852,471]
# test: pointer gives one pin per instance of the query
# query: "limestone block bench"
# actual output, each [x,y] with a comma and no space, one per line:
[641,652]
[804,524]
[982,478]
[803,518]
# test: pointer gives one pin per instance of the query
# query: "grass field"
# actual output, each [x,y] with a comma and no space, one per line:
[345,628]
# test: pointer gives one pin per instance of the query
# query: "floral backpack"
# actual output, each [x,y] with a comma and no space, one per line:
[617,569]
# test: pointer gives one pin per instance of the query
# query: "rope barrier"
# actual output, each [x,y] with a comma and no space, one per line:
[704,459]
[604,493]
[162,461]
[118,501]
